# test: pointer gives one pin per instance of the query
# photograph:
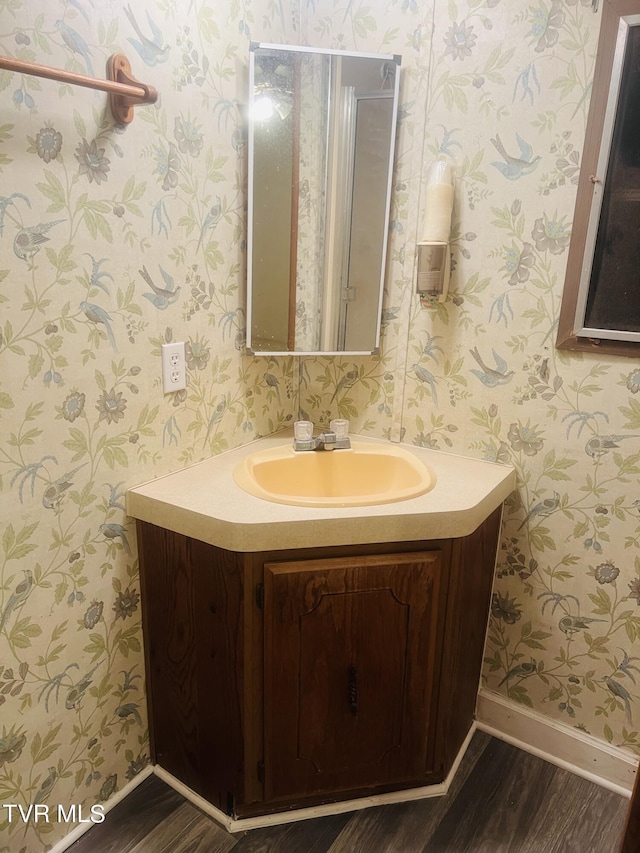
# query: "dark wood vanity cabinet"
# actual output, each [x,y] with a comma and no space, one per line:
[349,663]
[283,679]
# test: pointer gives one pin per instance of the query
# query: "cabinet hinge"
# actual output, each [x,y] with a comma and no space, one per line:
[260,771]
[260,595]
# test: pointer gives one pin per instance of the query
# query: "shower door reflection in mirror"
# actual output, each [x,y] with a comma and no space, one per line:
[321,138]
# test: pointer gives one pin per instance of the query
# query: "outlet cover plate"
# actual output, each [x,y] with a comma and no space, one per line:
[174,373]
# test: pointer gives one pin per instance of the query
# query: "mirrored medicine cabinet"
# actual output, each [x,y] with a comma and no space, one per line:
[321,143]
[601,300]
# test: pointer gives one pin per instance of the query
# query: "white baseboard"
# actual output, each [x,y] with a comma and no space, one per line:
[239,824]
[567,747]
[555,742]
[80,830]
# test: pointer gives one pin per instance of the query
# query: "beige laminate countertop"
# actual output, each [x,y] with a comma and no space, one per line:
[204,502]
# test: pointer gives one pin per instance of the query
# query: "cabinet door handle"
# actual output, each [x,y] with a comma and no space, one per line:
[353,690]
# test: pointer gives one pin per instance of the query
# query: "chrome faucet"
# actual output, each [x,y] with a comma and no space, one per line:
[336,438]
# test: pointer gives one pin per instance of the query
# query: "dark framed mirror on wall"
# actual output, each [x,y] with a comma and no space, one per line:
[601,300]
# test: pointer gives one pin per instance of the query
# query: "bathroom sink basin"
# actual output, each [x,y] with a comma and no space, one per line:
[366,474]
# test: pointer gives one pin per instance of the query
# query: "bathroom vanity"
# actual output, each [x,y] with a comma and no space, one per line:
[305,655]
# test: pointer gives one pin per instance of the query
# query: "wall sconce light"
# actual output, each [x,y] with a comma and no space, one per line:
[434,255]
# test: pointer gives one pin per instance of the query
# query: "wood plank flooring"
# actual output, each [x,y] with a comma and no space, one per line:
[502,800]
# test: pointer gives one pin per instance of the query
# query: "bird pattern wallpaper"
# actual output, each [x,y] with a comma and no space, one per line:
[114,241]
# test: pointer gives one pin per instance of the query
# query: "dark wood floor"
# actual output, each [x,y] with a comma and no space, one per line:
[502,800]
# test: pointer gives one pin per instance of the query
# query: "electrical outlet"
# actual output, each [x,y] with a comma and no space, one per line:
[174,374]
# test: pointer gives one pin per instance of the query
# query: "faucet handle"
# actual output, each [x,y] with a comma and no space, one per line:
[303,430]
[341,428]
[303,436]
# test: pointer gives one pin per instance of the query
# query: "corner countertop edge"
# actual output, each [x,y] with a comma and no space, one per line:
[186,503]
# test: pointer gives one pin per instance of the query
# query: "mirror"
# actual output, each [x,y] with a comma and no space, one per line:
[321,140]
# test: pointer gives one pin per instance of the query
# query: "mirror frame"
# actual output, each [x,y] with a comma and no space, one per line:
[396,59]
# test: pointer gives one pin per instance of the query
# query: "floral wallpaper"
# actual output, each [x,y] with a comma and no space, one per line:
[114,241]
[565,623]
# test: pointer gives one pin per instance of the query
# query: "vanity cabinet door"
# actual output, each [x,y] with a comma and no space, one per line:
[351,661]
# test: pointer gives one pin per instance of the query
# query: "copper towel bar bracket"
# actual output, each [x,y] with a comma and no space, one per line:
[124,90]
